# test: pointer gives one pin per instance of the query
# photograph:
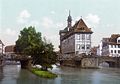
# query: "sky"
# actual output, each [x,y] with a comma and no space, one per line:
[50,16]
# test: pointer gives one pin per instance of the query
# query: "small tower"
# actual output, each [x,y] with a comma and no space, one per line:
[69,20]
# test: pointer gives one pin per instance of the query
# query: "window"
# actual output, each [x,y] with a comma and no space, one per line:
[118,46]
[111,46]
[88,37]
[83,46]
[78,46]
[115,46]
[111,51]
[114,51]
[78,36]
[118,51]
[118,41]
[83,36]
[88,47]
[82,28]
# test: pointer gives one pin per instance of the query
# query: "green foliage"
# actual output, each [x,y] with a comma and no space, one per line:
[27,40]
[30,43]
[49,56]
[45,74]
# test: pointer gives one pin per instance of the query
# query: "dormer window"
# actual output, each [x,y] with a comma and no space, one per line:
[118,40]
[82,28]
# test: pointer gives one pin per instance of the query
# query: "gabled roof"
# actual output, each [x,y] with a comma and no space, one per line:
[9,48]
[114,37]
[80,26]
[112,40]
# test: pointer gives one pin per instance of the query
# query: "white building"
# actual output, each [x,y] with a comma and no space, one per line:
[110,46]
[75,39]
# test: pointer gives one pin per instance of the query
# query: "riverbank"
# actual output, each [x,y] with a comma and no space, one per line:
[44,74]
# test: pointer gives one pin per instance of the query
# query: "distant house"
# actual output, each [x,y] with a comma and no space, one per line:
[103,42]
[9,49]
[75,39]
[110,46]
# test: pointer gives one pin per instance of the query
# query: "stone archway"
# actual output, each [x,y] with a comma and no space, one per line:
[26,64]
[107,64]
[104,64]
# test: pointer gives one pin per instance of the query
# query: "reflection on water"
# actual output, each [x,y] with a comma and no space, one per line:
[12,74]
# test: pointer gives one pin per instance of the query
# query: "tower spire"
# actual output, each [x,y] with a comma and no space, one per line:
[69,12]
[69,20]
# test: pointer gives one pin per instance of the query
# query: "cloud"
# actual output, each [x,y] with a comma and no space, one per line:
[94,19]
[23,16]
[10,32]
[47,22]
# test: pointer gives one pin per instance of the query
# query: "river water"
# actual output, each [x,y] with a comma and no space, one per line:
[13,74]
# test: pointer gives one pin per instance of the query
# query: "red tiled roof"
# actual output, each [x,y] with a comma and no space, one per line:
[114,37]
[80,26]
[9,48]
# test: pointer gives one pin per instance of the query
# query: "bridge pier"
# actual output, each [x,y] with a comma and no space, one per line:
[89,63]
[70,63]
[26,64]
[112,64]
[118,62]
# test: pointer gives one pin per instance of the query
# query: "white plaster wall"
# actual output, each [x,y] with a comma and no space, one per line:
[113,48]
[86,42]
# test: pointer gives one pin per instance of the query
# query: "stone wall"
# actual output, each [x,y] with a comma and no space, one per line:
[89,63]
[70,63]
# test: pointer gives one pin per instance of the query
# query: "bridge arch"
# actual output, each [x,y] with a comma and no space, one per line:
[107,64]
[108,60]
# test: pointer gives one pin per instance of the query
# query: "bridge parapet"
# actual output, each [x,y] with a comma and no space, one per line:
[17,57]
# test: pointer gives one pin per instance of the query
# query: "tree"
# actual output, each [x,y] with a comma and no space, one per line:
[49,56]
[27,40]
[30,43]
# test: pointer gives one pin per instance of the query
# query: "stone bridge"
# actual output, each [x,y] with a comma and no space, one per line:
[90,61]
[94,62]
[25,61]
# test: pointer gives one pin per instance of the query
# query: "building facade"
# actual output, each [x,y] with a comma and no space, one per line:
[9,50]
[75,39]
[110,46]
